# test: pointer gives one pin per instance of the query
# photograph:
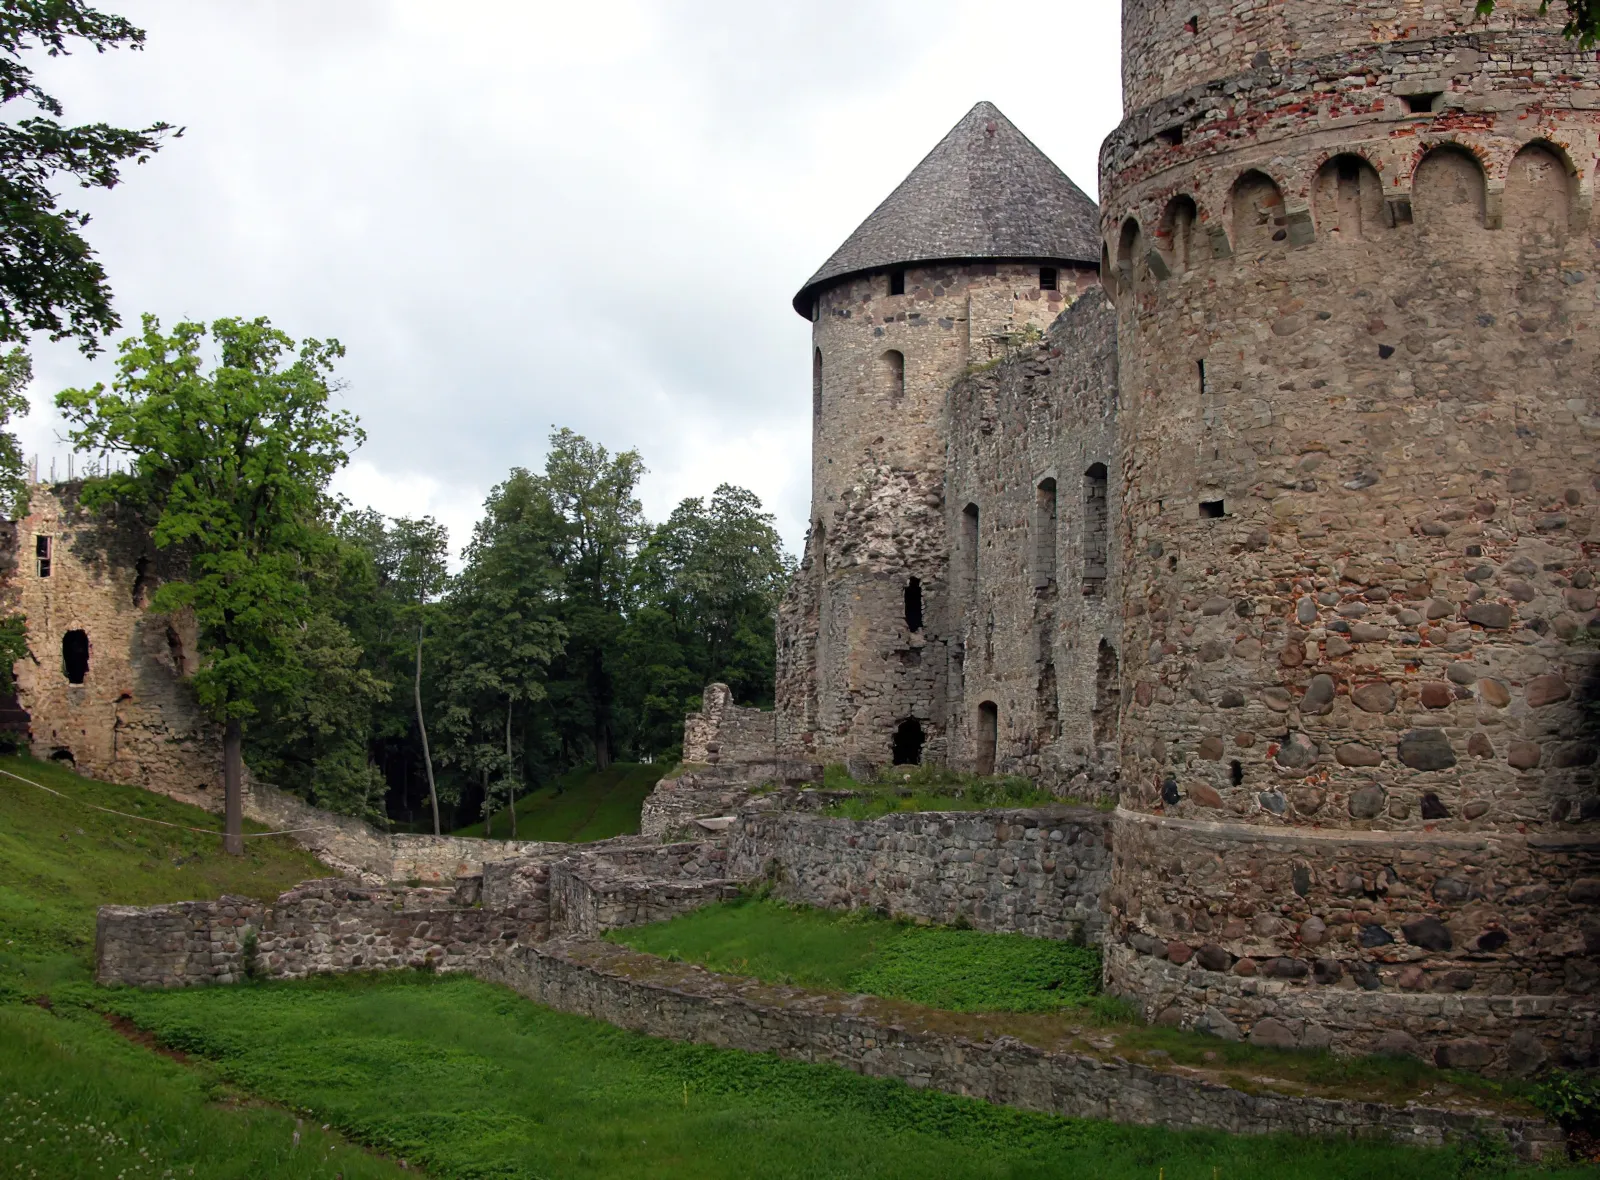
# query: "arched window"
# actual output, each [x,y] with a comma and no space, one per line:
[816,386]
[75,656]
[908,740]
[1044,533]
[988,738]
[892,367]
[1130,248]
[1095,523]
[1349,199]
[969,548]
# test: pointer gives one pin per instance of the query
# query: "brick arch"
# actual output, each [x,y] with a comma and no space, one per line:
[1347,197]
[1257,219]
[1450,188]
[1541,189]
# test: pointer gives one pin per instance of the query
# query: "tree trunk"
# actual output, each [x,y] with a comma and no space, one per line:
[422,728]
[233,787]
[511,779]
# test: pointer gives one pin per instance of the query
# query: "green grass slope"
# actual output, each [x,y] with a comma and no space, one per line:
[579,806]
[60,859]
[470,1080]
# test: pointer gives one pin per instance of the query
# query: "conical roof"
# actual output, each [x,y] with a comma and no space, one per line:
[984,192]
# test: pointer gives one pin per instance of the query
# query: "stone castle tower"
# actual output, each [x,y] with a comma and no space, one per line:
[983,243]
[1350,249]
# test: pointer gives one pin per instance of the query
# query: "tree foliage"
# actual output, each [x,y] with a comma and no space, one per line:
[50,280]
[1582,24]
[16,371]
[231,467]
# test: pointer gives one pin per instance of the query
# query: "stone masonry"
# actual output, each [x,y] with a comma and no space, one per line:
[1351,253]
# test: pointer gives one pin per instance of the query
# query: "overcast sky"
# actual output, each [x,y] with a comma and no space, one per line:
[517,215]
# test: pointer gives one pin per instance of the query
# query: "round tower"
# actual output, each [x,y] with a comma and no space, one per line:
[1354,268]
[984,241]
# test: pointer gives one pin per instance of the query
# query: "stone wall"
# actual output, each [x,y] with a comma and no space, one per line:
[880,1039]
[319,926]
[1039,872]
[1032,441]
[606,890]
[1356,290]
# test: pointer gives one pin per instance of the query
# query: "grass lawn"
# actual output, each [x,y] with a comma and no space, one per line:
[956,970]
[472,1081]
[581,805]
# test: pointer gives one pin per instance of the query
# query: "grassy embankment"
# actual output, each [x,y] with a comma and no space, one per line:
[466,1078]
[930,788]
[581,805]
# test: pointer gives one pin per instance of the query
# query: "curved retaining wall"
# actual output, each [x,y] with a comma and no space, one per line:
[872,1037]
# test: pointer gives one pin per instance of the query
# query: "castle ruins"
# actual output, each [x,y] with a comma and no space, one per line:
[1255,503]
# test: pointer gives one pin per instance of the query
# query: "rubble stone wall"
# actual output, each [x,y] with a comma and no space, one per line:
[1032,871]
[1356,290]
[1032,442]
[319,926]
[872,1038]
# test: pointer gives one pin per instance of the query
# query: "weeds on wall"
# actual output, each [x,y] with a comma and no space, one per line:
[929,788]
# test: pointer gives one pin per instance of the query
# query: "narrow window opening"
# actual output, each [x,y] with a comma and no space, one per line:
[893,364]
[1192,25]
[1107,694]
[969,547]
[914,604]
[1095,524]
[1044,528]
[988,737]
[816,385]
[141,580]
[1200,368]
[1211,510]
[1421,104]
[1171,136]
[75,656]
[908,739]
[897,282]
[1236,772]
[1047,278]
[41,551]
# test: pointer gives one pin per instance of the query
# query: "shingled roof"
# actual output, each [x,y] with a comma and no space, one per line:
[984,192]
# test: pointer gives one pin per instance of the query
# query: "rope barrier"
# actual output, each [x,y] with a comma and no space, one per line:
[161,822]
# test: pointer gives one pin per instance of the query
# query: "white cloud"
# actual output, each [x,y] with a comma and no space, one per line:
[516,215]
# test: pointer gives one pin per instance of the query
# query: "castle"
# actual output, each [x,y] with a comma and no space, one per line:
[1256,501]
[1278,533]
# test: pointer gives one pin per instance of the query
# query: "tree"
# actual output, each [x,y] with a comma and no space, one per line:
[594,496]
[16,370]
[1583,19]
[419,546]
[50,280]
[232,468]
[705,588]
[502,626]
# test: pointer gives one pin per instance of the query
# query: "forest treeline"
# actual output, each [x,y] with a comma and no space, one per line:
[575,632]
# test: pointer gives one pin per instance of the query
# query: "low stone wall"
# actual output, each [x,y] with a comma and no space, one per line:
[635,886]
[875,1038]
[699,791]
[320,926]
[1479,950]
[1031,871]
